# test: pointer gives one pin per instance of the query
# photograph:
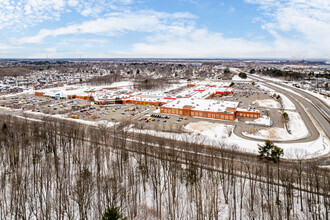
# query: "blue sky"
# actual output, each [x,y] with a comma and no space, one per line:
[296,29]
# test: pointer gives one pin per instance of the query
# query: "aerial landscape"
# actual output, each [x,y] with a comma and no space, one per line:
[182,109]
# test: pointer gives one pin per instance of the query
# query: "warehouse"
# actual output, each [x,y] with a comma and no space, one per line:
[225,110]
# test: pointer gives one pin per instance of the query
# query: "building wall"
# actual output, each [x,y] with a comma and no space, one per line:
[195,113]
[138,102]
[39,94]
[84,97]
[248,114]
[71,96]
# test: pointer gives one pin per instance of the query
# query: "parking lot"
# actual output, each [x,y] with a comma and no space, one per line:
[43,104]
[141,116]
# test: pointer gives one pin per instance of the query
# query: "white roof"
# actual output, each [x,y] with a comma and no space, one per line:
[203,104]
[247,110]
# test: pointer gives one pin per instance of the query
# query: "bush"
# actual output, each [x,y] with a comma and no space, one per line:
[242,75]
[112,214]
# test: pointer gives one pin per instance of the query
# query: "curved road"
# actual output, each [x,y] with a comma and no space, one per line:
[316,107]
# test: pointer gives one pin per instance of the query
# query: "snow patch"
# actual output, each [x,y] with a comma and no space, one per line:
[209,129]
[237,78]
[267,103]
[296,126]
[264,120]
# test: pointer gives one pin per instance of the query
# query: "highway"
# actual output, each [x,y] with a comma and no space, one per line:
[315,106]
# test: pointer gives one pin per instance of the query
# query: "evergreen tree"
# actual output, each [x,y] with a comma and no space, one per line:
[270,151]
[113,213]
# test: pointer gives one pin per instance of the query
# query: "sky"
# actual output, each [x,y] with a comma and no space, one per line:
[290,29]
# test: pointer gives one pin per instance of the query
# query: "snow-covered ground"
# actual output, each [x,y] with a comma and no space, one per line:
[218,134]
[317,95]
[264,120]
[267,103]
[270,78]
[296,125]
[287,104]
[237,78]
[120,84]
[320,146]
[157,110]
[322,97]
[25,92]
[201,132]
[94,123]
[211,130]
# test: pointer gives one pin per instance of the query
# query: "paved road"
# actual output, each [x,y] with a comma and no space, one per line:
[313,132]
[310,102]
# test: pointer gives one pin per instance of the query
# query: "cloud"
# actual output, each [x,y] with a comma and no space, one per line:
[300,28]
[302,22]
[192,42]
[176,35]
[4,46]
[24,13]
[190,1]
[231,10]
[115,23]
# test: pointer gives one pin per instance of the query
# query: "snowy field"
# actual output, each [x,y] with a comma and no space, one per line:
[216,135]
[287,104]
[319,147]
[25,92]
[237,78]
[296,125]
[122,84]
[213,131]
[201,132]
[93,123]
[263,120]
[267,103]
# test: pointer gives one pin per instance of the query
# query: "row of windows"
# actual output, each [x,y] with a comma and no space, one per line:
[247,115]
[198,114]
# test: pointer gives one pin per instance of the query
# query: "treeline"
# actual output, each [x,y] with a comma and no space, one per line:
[105,79]
[44,62]
[289,75]
[14,71]
[322,75]
[61,170]
[144,83]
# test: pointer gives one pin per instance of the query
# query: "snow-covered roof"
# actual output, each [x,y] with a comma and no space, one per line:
[247,110]
[203,105]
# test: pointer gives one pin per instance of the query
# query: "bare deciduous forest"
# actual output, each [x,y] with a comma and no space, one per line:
[61,170]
